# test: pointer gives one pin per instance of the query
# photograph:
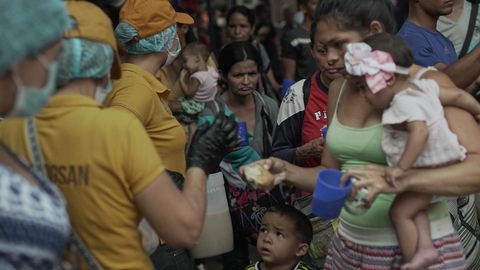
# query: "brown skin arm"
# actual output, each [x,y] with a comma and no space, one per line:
[417,138]
[464,71]
[460,99]
[191,88]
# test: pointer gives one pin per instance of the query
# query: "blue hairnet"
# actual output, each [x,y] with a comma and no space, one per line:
[159,42]
[28,27]
[81,58]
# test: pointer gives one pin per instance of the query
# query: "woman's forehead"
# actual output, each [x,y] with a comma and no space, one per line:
[328,32]
[245,65]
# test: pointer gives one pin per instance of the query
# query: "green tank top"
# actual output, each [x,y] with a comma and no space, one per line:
[354,147]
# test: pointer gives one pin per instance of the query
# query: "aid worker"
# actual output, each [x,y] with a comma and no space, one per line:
[33,217]
[103,160]
[147,31]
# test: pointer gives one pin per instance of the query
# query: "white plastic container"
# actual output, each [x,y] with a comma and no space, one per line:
[217,234]
[357,205]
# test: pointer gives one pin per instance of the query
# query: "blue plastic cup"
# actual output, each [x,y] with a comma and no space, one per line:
[242,132]
[324,132]
[328,196]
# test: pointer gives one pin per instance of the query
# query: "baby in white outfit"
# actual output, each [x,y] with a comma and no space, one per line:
[416,133]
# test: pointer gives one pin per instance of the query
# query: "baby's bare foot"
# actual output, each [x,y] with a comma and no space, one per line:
[422,260]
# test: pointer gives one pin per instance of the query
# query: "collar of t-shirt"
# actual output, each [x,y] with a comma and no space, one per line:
[257,266]
[67,100]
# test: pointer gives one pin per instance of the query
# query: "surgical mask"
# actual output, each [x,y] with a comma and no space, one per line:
[101,92]
[298,17]
[171,55]
[29,99]
[221,22]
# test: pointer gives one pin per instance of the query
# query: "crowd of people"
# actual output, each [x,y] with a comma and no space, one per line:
[113,113]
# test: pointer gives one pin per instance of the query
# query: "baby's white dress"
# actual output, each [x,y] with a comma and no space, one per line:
[442,146]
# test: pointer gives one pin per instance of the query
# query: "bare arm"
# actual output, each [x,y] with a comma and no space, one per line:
[175,106]
[192,87]
[417,138]
[465,70]
[312,149]
[460,99]
[457,179]
[302,178]
[177,216]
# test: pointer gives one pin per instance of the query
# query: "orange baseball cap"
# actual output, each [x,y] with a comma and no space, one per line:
[183,18]
[150,17]
[94,25]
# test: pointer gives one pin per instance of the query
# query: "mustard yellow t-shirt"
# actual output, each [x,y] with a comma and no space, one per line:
[140,93]
[100,159]
[175,87]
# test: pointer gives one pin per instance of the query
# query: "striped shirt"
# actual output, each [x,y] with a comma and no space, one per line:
[300,266]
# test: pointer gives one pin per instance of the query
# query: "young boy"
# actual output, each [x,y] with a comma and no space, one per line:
[283,240]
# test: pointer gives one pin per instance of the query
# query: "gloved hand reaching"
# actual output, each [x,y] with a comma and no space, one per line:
[211,142]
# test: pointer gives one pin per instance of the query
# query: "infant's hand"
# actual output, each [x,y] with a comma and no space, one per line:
[392,174]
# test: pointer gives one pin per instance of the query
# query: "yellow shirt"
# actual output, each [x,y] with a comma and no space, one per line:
[175,87]
[100,159]
[140,93]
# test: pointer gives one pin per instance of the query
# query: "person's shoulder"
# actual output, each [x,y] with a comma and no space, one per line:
[294,94]
[269,102]
[114,118]
[410,31]
[266,101]
[336,85]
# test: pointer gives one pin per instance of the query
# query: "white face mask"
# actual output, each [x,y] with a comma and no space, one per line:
[298,17]
[101,92]
[29,100]
[172,55]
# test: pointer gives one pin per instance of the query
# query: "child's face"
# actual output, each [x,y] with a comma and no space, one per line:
[277,242]
[191,62]
[380,100]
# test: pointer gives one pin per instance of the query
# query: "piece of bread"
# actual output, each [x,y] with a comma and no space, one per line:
[259,177]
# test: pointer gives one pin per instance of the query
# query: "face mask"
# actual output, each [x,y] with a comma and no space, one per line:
[101,92]
[30,100]
[221,22]
[171,55]
[299,17]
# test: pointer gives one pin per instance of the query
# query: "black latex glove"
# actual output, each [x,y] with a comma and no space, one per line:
[211,142]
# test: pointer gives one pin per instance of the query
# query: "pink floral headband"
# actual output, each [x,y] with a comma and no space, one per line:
[378,66]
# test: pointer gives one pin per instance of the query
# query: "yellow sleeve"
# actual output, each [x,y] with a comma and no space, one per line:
[136,98]
[142,162]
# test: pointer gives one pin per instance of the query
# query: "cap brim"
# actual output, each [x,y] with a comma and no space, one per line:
[183,18]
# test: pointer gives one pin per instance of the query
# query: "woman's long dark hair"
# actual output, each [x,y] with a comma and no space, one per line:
[246,12]
[237,52]
[355,15]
